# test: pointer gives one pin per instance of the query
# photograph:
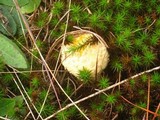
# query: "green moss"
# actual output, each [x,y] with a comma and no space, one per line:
[157,24]
[35,82]
[118,3]
[67,114]
[136,61]
[7,78]
[98,107]
[42,19]
[120,40]
[157,32]
[148,20]
[158,9]
[75,9]
[127,32]
[141,92]
[134,111]
[131,28]
[148,58]
[108,17]
[69,38]
[120,17]
[154,40]
[76,13]
[138,43]
[103,4]
[47,110]
[144,78]
[84,75]
[127,4]
[68,89]
[111,99]
[94,20]
[118,28]
[117,65]
[138,5]
[155,78]
[142,104]
[127,46]
[103,82]
[43,94]
[57,8]
[54,22]
[120,107]
[132,83]
[152,3]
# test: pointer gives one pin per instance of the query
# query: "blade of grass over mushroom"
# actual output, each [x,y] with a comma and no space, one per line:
[78,45]
[75,48]
[11,54]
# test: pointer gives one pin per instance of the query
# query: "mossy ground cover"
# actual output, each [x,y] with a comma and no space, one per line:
[131,29]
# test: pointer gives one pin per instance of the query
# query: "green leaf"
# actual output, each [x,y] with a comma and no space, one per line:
[18,21]
[31,6]
[7,23]
[11,54]
[11,3]
[18,101]
[7,106]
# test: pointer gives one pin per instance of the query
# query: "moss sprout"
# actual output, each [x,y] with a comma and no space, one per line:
[94,20]
[103,3]
[156,78]
[158,9]
[108,17]
[138,43]
[144,78]
[75,13]
[148,20]
[118,28]
[57,8]
[120,107]
[138,5]
[127,46]
[47,109]
[127,32]
[136,61]
[132,82]
[154,40]
[127,4]
[70,38]
[121,39]
[148,58]
[42,19]
[84,75]
[118,3]
[111,99]
[98,107]
[67,114]
[120,17]
[117,66]
[35,82]
[157,32]
[103,82]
